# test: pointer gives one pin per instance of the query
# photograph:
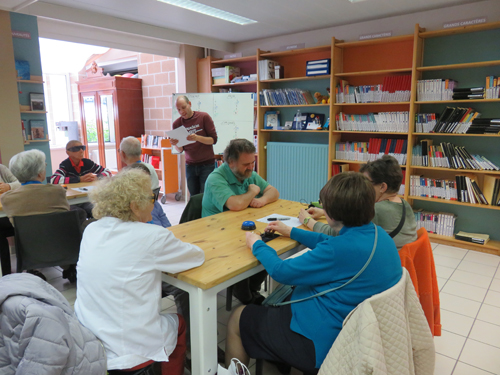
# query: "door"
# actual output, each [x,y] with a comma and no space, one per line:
[107,114]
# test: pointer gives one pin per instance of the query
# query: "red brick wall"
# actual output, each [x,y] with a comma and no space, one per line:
[158,84]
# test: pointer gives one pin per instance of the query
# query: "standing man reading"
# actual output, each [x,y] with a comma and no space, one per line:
[76,169]
[200,161]
[235,186]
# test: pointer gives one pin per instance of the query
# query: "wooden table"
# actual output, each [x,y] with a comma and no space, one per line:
[73,196]
[227,261]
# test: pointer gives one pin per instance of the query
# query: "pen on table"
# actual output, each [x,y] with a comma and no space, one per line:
[278,218]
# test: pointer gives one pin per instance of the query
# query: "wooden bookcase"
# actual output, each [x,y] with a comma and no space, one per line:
[465,54]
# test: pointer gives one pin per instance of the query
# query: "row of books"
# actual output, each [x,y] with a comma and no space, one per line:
[456,121]
[374,122]
[148,140]
[285,97]
[433,188]
[448,155]
[452,120]
[492,87]
[372,150]
[394,89]
[154,160]
[441,223]
[435,89]
[462,189]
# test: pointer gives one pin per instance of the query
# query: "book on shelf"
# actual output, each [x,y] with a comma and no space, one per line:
[492,88]
[152,141]
[448,155]
[339,168]
[435,89]
[468,93]
[23,130]
[491,189]
[478,238]
[484,126]
[396,122]
[441,223]
[272,120]
[267,69]
[372,150]
[225,74]
[37,129]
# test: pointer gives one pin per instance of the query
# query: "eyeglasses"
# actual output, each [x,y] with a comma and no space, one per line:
[153,198]
[76,148]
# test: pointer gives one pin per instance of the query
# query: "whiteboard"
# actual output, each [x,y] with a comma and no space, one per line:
[232,113]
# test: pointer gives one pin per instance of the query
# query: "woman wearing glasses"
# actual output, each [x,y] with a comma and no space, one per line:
[119,276]
[392,213]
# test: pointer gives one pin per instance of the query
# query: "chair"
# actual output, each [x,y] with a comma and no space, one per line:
[418,259]
[47,240]
[192,211]
[385,334]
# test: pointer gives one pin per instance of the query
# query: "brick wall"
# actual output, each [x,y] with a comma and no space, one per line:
[158,84]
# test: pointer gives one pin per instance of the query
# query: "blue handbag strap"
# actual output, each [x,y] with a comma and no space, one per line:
[341,286]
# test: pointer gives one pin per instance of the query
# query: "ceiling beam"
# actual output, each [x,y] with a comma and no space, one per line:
[84,17]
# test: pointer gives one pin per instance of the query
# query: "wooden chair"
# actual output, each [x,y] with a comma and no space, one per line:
[418,259]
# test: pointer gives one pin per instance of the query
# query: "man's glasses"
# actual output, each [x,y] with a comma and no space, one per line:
[153,198]
[76,148]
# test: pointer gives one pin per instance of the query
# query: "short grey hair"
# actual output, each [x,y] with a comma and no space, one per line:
[237,147]
[131,146]
[27,165]
[182,97]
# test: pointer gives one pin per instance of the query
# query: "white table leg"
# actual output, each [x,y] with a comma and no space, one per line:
[203,312]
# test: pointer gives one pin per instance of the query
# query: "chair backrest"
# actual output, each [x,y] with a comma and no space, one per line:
[47,240]
[418,259]
[385,334]
[193,209]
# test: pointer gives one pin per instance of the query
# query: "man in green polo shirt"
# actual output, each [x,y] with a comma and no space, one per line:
[235,186]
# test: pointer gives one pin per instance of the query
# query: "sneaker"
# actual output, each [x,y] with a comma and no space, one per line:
[70,274]
[37,273]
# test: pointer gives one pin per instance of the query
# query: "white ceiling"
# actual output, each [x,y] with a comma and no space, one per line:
[275,17]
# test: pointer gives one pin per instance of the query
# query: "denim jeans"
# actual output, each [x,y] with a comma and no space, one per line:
[196,175]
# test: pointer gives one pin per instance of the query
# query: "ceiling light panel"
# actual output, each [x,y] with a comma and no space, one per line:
[210,11]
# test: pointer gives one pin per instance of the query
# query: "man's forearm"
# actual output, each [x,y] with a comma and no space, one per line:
[240,202]
[270,195]
[205,140]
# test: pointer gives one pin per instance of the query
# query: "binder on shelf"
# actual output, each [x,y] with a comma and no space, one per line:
[318,67]
[478,238]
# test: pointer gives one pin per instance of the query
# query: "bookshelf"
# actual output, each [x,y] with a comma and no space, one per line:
[423,55]
[435,56]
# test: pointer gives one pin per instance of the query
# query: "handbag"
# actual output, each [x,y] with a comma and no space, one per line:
[279,295]
[235,368]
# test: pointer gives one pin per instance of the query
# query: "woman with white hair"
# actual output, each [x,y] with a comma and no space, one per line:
[7,182]
[121,260]
[32,197]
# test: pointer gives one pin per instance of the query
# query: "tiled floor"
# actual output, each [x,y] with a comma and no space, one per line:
[469,284]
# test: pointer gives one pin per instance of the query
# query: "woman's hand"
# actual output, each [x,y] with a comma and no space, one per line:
[252,238]
[279,227]
[303,214]
[315,212]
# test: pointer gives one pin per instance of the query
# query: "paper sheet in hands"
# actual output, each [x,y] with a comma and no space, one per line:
[180,134]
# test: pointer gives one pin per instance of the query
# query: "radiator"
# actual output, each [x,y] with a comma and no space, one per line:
[297,170]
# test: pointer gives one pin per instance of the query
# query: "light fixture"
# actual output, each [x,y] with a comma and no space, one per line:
[210,11]
[355,1]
